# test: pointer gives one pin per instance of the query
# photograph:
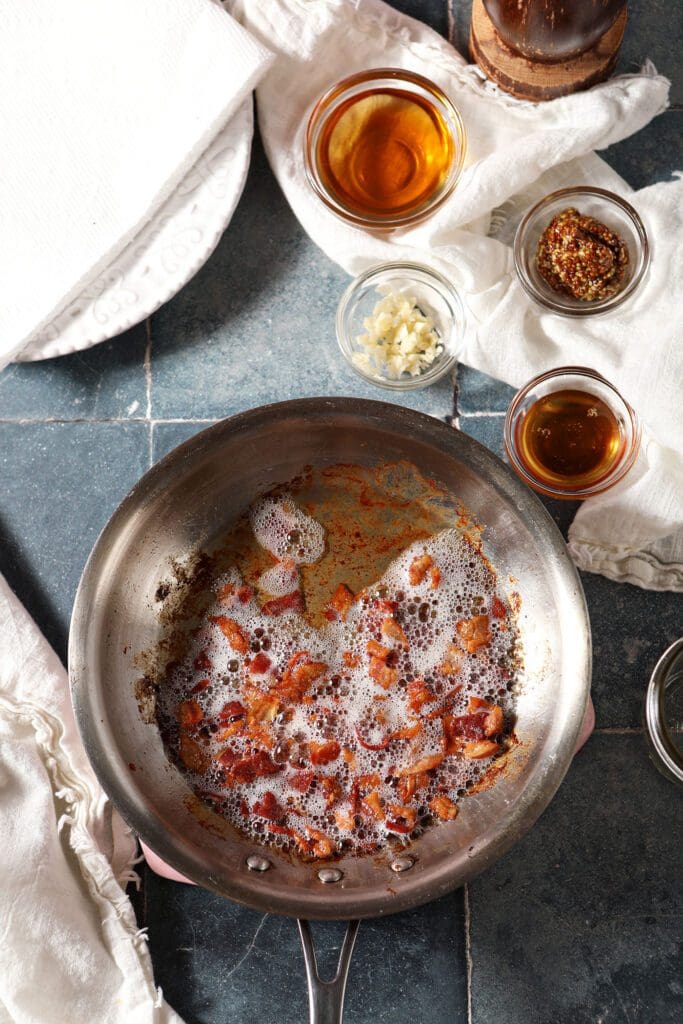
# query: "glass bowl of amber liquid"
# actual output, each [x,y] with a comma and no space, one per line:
[605,260]
[568,433]
[384,148]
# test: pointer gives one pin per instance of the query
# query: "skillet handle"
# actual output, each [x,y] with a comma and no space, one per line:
[326,998]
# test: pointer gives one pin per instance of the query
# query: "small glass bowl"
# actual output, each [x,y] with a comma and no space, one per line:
[375,81]
[604,206]
[435,296]
[663,713]
[577,378]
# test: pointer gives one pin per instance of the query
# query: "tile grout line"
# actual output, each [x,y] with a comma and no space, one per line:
[108,419]
[468,950]
[483,413]
[147,365]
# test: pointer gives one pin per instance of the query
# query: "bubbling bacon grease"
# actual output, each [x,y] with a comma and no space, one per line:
[334,740]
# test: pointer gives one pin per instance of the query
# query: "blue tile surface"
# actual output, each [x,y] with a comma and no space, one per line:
[579,923]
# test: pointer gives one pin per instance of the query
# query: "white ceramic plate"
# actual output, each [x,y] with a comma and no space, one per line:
[164,255]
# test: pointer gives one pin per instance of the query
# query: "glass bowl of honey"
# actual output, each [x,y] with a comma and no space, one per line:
[384,148]
[399,325]
[568,433]
[581,251]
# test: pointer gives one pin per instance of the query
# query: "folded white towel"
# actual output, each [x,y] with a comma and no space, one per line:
[517,152]
[103,109]
[71,950]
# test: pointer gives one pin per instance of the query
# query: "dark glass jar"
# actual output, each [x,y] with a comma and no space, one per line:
[552,30]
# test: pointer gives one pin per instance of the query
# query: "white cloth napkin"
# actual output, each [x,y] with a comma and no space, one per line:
[70,949]
[103,109]
[518,152]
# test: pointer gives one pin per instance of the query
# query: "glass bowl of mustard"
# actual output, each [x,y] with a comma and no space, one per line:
[384,148]
[568,433]
[581,251]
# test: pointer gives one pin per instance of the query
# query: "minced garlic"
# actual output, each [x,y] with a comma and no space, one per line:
[400,339]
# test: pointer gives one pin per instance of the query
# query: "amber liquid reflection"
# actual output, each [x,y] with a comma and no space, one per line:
[385,152]
[569,439]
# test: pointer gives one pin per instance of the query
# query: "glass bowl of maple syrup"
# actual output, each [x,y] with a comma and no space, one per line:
[384,148]
[568,433]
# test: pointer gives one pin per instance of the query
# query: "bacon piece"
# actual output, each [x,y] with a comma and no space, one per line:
[459,728]
[418,568]
[370,781]
[392,630]
[381,673]
[498,609]
[299,675]
[201,685]
[405,814]
[233,632]
[350,660]
[418,695]
[408,732]
[377,650]
[345,820]
[233,709]
[230,594]
[202,662]
[261,707]
[331,789]
[189,714]
[373,804]
[252,766]
[349,757]
[268,807]
[259,665]
[409,785]
[434,577]
[425,764]
[494,720]
[340,602]
[301,781]
[474,633]
[452,662]
[290,602]
[476,750]
[382,745]
[318,843]
[192,754]
[443,807]
[324,753]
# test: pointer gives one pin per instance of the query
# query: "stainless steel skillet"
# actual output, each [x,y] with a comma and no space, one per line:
[188,500]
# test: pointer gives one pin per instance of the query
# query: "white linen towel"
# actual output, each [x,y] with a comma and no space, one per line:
[517,152]
[103,109]
[70,949]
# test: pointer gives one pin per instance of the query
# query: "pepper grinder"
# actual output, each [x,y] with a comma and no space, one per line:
[540,49]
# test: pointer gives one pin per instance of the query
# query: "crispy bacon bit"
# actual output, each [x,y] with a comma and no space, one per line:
[408,732]
[443,807]
[418,695]
[403,819]
[299,675]
[349,757]
[233,632]
[476,750]
[382,745]
[494,720]
[189,713]
[434,577]
[232,710]
[324,753]
[425,764]
[418,569]
[227,757]
[202,662]
[319,845]
[340,602]
[301,781]
[497,608]
[410,785]
[452,662]
[331,789]
[262,707]
[246,769]
[231,729]
[345,820]
[377,650]
[459,728]
[350,660]
[268,807]
[474,633]
[392,630]
[192,754]
[381,673]
[290,602]
[201,685]
[259,665]
[370,781]
[373,804]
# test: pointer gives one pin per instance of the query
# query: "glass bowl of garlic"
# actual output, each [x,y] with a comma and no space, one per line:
[399,325]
